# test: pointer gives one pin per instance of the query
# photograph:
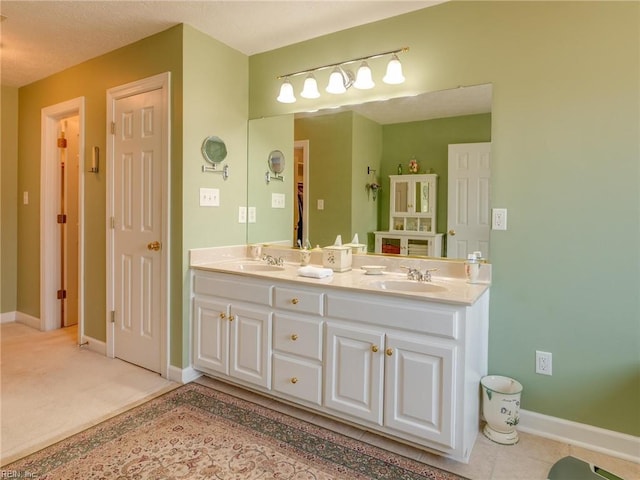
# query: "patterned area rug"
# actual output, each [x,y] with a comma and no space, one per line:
[195,432]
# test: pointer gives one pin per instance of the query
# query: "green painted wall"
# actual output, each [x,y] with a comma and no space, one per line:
[204,102]
[367,153]
[427,141]
[272,224]
[565,125]
[8,199]
[214,102]
[91,79]
[330,167]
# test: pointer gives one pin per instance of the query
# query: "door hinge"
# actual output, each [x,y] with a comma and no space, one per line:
[62,218]
[112,223]
[113,128]
[113,316]
[61,294]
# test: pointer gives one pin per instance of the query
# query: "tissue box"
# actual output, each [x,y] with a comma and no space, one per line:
[337,258]
[357,247]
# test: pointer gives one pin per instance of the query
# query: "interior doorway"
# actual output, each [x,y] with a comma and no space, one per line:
[61,216]
[301,192]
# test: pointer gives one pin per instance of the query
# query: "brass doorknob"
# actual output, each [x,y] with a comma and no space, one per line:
[155,246]
[452,232]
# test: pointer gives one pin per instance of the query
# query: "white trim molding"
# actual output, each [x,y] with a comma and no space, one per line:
[183,375]
[615,444]
[28,320]
[8,317]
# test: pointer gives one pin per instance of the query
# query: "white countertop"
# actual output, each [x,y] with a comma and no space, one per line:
[448,289]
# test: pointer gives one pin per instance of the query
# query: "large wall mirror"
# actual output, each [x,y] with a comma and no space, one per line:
[337,154]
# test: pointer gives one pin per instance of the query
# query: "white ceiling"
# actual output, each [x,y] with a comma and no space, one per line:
[40,38]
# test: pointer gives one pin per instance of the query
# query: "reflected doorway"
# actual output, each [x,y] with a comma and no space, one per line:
[301,192]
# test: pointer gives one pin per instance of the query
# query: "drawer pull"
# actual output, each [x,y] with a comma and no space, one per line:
[223,315]
[294,301]
[374,348]
[231,318]
[294,380]
[389,352]
[294,337]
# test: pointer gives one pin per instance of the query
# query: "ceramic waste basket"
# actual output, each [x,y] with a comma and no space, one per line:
[501,408]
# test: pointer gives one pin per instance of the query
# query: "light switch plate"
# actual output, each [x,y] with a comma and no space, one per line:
[209,197]
[252,214]
[499,219]
[320,204]
[242,214]
[277,200]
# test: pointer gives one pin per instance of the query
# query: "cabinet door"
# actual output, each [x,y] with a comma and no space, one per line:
[419,388]
[250,344]
[354,368]
[211,335]
[400,196]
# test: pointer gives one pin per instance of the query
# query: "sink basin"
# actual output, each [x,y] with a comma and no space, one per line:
[260,267]
[408,286]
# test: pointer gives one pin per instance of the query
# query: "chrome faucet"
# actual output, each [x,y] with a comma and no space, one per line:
[415,274]
[273,260]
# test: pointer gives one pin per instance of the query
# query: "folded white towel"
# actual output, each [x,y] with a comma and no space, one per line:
[314,272]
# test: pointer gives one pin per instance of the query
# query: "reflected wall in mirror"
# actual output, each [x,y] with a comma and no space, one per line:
[343,146]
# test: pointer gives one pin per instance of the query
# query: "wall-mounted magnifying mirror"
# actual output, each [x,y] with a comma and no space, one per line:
[276,163]
[214,152]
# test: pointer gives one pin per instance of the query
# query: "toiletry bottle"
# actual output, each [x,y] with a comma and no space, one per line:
[472,268]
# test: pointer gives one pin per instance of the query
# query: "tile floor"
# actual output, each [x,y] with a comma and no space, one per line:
[82,388]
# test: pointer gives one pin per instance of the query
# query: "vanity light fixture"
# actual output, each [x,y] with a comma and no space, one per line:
[310,89]
[341,78]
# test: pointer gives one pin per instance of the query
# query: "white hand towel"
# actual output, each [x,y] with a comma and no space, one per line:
[314,272]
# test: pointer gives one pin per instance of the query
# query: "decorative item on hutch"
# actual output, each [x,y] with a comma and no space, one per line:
[413,166]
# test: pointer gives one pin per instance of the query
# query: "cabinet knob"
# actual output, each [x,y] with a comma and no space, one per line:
[294,336]
[223,315]
[294,380]
[231,318]
[389,351]
[374,348]
[294,301]
[452,232]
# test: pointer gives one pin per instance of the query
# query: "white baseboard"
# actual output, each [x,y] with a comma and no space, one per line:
[94,345]
[611,443]
[7,317]
[28,320]
[183,375]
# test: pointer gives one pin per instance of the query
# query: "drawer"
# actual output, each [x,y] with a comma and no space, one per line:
[297,336]
[422,317]
[232,287]
[297,378]
[298,300]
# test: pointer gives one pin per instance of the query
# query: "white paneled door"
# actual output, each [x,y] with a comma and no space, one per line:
[468,202]
[137,225]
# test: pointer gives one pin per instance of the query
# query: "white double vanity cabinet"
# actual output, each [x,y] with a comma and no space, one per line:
[404,364]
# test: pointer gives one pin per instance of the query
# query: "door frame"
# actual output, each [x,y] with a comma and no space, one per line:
[49,188]
[161,82]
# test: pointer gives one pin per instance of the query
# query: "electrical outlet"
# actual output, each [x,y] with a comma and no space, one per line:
[252,214]
[320,204]
[544,363]
[242,214]
[499,219]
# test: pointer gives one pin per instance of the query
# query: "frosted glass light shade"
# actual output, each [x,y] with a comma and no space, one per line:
[394,74]
[286,93]
[310,88]
[336,82]
[364,80]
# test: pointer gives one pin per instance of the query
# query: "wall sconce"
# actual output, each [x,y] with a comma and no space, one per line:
[341,79]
